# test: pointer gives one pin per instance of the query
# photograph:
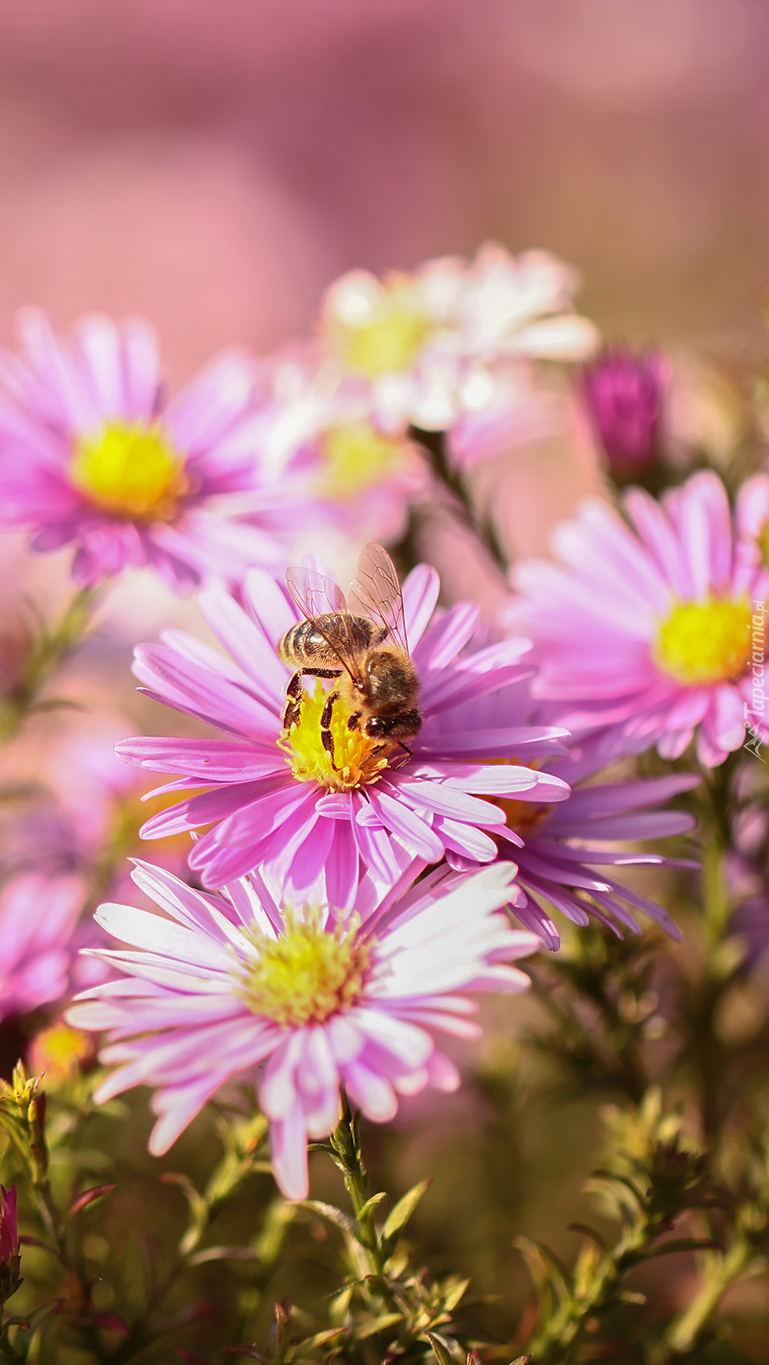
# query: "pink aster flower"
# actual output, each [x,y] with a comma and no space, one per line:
[273,796]
[357,473]
[93,454]
[38,919]
[326,998]
[653,628]
[454,339]
[563,852]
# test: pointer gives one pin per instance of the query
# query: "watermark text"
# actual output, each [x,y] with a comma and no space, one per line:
[754,713]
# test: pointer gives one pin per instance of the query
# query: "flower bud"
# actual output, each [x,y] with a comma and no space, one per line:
[623,392]
[10,1261]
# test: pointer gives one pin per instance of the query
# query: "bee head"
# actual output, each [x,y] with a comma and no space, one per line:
[375,727]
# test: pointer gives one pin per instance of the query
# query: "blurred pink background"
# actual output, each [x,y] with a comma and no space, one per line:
[214,164]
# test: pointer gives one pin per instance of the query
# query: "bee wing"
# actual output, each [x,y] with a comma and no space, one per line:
[375,592]
[315,595]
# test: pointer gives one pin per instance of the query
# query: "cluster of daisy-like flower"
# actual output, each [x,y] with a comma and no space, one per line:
[223,475]
[347,901]
[354,888]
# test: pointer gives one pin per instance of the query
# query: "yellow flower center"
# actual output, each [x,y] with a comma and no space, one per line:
[131,470]
[358,759]
[704,642]
[762,540]
[387,335]
[307,974]
[356,456]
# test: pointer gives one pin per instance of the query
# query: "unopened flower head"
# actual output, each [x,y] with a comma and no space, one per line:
[624,396]
[9,1232]
[648,628]
[288,798]
[93,455]
[442,343]
[10,1261]
[326,998]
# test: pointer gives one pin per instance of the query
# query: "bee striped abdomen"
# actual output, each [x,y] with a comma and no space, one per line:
[326,638]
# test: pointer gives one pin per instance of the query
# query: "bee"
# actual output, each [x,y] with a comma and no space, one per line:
[359,641]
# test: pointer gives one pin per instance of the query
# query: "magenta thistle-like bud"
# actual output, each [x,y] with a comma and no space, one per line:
[10,1262]
[624,395]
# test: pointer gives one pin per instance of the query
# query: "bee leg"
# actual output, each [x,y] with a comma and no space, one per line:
[293,700]
[352,722]
[326,736]
[294,692]
[406,756]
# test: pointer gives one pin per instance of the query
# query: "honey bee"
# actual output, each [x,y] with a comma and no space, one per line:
[359,640]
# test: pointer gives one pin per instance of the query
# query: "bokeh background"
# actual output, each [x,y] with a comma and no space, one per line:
[216,164]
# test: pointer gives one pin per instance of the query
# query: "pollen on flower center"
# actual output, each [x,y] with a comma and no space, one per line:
[131,470]
[383,336]
[308,973]
[358,759]
[704,642]
[357,455]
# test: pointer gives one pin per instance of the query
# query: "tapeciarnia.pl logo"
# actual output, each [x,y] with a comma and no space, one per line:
[754,739]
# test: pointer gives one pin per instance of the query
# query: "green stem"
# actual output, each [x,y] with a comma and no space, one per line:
[715,896]
[455,503]
[344,1147]
[719,1273]
[49,653]
[709,1056]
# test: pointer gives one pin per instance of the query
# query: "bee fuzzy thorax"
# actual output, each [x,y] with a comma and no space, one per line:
[357,760]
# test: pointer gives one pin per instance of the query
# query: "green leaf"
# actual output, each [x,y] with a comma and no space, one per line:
[321,1338]
[88,1197]
[404,1208]
[195,1200]
[221,1254]
[544,1267]
[593,1235]
[373,1203]
[374,1325]
[334,1215]
[678,1244]
[455,1293]
[340,1303]
[440,1347]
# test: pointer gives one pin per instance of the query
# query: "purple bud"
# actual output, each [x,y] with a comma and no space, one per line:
[10,1262]
[9,1229]
[623,392]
